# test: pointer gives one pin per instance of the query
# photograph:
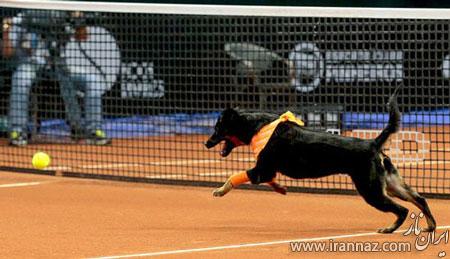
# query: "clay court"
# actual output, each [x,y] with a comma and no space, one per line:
[56,217]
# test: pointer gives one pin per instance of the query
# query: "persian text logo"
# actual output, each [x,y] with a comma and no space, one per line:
[422,242]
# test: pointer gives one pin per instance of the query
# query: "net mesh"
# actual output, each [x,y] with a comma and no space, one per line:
[154,84]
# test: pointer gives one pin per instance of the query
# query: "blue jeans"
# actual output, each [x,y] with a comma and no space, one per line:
[70,83]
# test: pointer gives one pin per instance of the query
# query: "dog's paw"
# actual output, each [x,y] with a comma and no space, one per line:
[385,230]
[219,192]
[278,188]
[281,190]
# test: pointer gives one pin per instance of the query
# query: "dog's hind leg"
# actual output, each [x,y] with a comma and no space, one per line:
[372,189]
[384,203]
[396,187]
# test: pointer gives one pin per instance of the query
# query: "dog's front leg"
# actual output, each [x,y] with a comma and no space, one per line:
[226,187]
[277,187]
[232,182]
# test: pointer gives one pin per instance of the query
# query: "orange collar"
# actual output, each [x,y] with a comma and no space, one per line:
[261,138]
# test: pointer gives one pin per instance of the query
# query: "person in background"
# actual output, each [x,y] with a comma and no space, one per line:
[36,38]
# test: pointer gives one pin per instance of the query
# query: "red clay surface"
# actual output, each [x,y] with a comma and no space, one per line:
[75,218]
[63,217]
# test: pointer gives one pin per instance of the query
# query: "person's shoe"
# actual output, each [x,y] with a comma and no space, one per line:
[77,134]
[98,138]
[18,139]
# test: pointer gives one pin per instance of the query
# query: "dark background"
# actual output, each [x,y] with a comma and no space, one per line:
[188,54]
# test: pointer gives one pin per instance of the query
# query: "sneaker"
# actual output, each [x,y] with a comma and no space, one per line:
[98,138]
[77,134]
[17,138]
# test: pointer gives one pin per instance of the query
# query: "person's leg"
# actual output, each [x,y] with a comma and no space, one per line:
[93,108]
[22,80]
[68,88]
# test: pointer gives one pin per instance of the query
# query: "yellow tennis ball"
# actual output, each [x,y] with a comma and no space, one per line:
[40,160]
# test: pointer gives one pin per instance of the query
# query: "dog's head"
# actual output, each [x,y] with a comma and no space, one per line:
[229,129]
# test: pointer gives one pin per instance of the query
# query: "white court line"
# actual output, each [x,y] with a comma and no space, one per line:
[185,162]
[111,165]
[11,185]
[166,176]
[225,173]
[124,165]
[270,243]
[93,166]
[246,159]
[59,168]
[163,176]
[437,162]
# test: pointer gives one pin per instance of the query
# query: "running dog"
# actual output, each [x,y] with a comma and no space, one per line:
[281,144]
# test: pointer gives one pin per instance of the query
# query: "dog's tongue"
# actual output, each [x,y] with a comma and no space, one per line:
[226,148]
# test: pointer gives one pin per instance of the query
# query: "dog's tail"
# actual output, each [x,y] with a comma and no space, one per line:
[393,123]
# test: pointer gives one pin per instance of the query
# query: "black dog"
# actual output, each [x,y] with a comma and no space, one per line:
[299,153]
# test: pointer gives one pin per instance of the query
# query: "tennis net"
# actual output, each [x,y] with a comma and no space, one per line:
[154,77]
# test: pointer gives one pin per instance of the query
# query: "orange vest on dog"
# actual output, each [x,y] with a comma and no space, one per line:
[261,138]
[258,143]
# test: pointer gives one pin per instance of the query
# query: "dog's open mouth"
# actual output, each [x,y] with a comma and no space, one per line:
[228,144]
[227,147]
